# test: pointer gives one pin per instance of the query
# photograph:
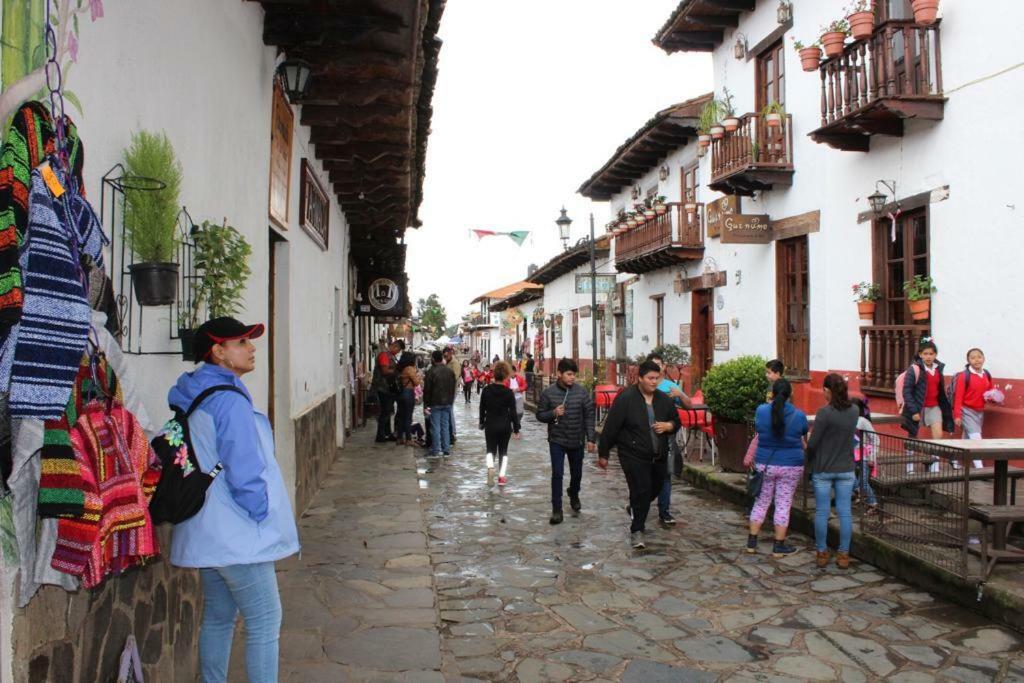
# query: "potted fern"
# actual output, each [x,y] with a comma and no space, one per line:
[773,113]
[150,218]
[919,296]
[728,112]
[222,264]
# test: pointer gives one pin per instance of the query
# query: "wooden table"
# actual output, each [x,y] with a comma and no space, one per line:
[1001,452]
[877,419]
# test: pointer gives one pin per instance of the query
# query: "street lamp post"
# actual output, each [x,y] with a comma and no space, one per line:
[563,222]
[593,299]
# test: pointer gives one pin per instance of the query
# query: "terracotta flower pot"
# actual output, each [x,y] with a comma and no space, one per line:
[717,132]
[833,41]
[731,123]
[925,11]
[866,310]
[810,58]
[660,209]
[773,120]
[703,140]
[649,214]
[920,309]
[862,24]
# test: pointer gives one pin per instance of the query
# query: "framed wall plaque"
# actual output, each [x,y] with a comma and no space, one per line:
[314,207]
[722,337]
[282,123]
[684,335]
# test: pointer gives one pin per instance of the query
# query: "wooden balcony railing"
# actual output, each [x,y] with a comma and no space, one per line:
[754,156]
[671,229]
[876,83]
[885,352]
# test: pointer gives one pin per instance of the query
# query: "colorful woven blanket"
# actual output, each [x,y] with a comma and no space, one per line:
[119,473]
[29,139]
[54,328]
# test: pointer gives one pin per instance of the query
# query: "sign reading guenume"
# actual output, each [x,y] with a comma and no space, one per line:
[746,229]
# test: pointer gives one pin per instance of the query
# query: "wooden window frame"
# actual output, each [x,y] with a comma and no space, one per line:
[892,292]
[782,248]
[688,183]
[659,319]
[777,81]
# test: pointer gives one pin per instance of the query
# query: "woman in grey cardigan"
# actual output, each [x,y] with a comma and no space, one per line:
[830,455]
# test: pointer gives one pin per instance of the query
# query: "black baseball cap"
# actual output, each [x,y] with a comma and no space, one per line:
[220,330]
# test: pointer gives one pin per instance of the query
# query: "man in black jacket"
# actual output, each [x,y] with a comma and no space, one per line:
[438,398]
[639,425]
[568,410]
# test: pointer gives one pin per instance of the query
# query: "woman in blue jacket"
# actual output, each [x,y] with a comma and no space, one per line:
[246,523]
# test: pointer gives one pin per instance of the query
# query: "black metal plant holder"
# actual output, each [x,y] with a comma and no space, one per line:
[122,257]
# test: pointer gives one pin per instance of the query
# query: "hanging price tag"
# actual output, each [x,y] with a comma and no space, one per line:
[50,178]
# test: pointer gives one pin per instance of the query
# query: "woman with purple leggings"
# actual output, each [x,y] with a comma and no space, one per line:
[781,429]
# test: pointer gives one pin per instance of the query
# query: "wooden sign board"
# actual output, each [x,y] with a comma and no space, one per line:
[722,337]
[717,210]
[684,335]
[741,229]
[282,121]
[585,311]
[314,207]
[705,281]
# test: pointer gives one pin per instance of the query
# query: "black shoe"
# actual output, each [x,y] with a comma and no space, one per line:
[636,539]
[556,517]
[574,502]
[668,520]
[381,439]
[391,437]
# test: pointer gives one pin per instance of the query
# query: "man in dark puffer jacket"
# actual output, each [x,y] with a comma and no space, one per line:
[568,410]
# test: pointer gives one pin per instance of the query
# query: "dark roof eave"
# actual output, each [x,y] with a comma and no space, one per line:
[567,261]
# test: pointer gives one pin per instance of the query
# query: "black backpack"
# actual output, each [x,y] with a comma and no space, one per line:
[181,491]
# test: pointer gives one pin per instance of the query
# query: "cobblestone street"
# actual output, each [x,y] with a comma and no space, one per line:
[413,570]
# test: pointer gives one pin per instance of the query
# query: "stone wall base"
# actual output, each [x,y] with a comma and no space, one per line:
[315,449]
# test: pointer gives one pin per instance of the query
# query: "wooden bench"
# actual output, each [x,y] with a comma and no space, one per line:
[982,474]
[992,515]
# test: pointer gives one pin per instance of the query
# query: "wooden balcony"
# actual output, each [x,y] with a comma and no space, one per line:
[753,157]
[878,83]
[885,352]
[661,242]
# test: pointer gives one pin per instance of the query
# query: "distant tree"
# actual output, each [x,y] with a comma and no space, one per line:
[431,315]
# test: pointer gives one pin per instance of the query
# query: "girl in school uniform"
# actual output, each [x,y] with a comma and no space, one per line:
[971,389]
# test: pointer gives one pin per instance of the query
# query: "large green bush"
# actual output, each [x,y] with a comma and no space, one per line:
[150,216]
[734,389]
[673,354]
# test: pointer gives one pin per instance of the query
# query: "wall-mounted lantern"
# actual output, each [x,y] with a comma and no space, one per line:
[295,74]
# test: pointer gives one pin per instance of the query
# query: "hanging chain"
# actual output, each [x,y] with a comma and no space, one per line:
[54,83]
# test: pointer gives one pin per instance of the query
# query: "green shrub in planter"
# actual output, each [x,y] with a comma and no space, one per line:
[150,216]
[733,390]
[671,353]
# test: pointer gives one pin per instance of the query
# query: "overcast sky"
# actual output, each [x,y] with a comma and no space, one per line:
[533,96]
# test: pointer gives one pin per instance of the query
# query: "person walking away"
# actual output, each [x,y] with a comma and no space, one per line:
[865,455]
[384,383]
[779,457]
[408,380]
[247,522]
[568,411]
[467,380]
[970,388]
[640,422]
[830,456]
[530,364]
[924,398]
[517,383]
[438,397]
[453,365]
[681,400]
[500,420]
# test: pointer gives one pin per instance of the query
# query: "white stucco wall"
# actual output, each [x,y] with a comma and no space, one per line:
[975,234]
[560,297]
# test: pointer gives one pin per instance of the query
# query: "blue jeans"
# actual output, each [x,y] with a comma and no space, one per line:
[665,495]
[440,426]
[843,483]
[864,482]
[386,402]
[251,589]
[558,455]
[403,417]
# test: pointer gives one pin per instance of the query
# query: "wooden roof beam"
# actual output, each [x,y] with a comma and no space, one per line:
[738,5]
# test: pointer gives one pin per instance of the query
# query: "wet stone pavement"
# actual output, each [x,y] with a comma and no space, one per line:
[412,569]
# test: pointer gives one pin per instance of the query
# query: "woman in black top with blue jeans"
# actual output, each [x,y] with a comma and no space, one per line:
[500,420]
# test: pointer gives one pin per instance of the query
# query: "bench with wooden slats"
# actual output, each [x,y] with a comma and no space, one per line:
[982,474]
[993,515]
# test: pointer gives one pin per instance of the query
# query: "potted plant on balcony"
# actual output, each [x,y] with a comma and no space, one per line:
[631,219]
[919,296]
[833,37]
[810,55]
[866,294]
[727,112]
[151,218]
[773,113]
[925,11]
[708,118]
[861,19]
[660,207]
[732,391]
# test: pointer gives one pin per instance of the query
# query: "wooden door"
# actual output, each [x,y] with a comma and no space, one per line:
[659,320]
[702,333]
[792,290]
[576,334]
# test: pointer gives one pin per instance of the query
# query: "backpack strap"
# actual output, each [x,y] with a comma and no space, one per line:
[209,391]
